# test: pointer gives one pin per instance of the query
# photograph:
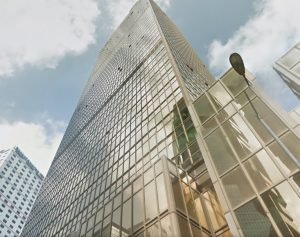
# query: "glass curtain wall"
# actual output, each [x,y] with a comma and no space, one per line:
[254,171]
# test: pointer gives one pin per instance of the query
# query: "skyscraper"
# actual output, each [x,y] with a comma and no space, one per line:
[288,67]
[20,183]
[156,147]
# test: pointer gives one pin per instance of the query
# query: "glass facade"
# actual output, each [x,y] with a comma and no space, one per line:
[260,181]
[288,67]
[156,147]
[129,163]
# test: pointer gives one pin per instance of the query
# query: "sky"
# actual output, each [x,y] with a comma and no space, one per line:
[48,49]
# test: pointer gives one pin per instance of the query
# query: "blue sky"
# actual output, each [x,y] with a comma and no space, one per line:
[48,49]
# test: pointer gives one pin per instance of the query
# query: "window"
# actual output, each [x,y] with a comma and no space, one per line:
[237,187]
[281,202]
[263,171]
[220,151]
[138,210]
[259,224]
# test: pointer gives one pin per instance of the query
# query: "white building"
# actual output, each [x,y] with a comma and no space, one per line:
[20,182]
[288,67]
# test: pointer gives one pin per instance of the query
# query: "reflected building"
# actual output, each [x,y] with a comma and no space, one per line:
[157,147]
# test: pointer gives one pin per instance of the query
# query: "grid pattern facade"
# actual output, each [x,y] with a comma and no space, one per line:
[260,182]
[19,186]
[110,176]
[124,53]
[288,67]
[195,76]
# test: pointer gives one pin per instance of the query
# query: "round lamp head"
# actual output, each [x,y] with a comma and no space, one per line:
[237,63]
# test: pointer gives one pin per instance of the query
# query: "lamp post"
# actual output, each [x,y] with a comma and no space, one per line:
[237,64]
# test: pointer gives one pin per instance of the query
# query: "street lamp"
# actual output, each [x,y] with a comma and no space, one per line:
[237,64]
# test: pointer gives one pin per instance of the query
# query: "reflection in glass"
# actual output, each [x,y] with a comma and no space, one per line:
[126,218]
[167,228]
[281,158]
[116,222]
[269,117]
[209,126]
[196,231]
[263,171]
[220,151]
[203,108]
[243,99]
[234,82]
[214,209]
[106,227]
[184,227]
[199,210]
[251,117]
[225,113]
[189,201]
[138,210]
[162,195]
[253,220]
[154,230]
[219,96]
[150,201]
[296,179]
[240,136]
[148,175]
[177,194]
[292,143]
[237,187]
[284,206]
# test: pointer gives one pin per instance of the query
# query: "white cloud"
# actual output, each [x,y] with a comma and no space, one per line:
[33,139]
[118,9]
[41,32]
[261,41]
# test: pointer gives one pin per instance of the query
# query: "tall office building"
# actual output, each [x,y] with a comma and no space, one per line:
[156,147]
[288,67]
[20,182]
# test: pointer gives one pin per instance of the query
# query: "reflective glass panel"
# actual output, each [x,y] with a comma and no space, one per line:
[214,209]
[281,158]
[251,117]
[237,187]
[241,137]
[116,222]
[296,179]
[203,108]
[263,171]
[220,151]
[162,193]
[269,116]
[189,201]
[219,96]
[292,143]
[184,227]
[177,194]
[138,210]
[284,206]
[126,218]
[150,201]
[167,227]
[199,210]
[153,230]
[253,220]
[209,126]
[234,82]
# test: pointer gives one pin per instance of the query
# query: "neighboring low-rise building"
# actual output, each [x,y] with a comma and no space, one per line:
[20,183]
